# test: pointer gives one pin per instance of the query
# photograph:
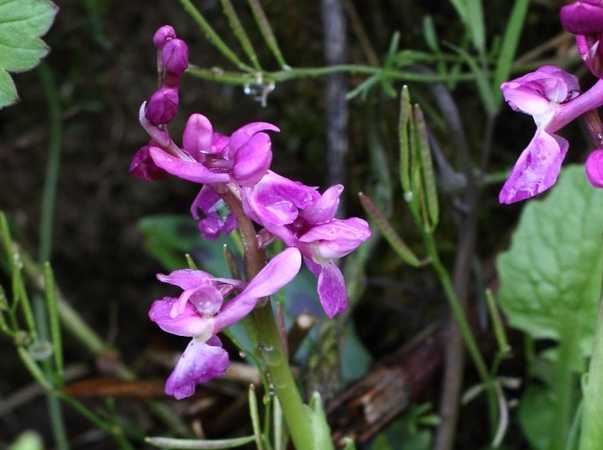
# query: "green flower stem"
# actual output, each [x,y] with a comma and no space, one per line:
[592,413]
[271,347]
[564,383]
[461,320]
[244,78]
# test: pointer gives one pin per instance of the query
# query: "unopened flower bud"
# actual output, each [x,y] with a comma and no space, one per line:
[163,35]
[174,55]
[583,17]
[594,168]
[162,106]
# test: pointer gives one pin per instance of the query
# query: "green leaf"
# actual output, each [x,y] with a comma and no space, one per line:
[551,277]
[22,22]
[475,21]
[27,441]
[537,415]
[321,433]
[200,444]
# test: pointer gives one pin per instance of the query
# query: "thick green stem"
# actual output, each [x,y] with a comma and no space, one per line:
[271,347]
[564,380]
[592,414]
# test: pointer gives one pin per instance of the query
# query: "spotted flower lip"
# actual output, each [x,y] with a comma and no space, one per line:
[583,17]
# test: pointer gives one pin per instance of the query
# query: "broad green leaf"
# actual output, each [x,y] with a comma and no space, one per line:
[537,415]
[551,277]
[22,22]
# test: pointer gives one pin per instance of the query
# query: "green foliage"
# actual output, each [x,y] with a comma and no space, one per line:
[550,278]
[537,415]
[411,432]
[22,22]
[27,441]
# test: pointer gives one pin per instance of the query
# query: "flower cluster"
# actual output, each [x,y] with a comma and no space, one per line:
[237,166]
[552,97]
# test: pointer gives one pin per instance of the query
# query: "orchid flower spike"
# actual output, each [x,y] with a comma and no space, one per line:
[540,94]
[200,313]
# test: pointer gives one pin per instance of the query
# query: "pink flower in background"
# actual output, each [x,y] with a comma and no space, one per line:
[540,94]
[594,168]
[583,17]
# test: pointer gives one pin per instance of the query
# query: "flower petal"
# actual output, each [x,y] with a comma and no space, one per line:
[162,107]
[279,271]
[537,168]
[594,168]
[331,290]
[143,166]
[337,238]
[324,209]
[186,278]
[243,134]
[198,136]
[188,323]
[187,170]
[252,160]
[199,363]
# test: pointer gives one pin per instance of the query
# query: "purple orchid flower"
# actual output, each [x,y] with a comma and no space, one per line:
[303,218]
[540,94]
[201,313]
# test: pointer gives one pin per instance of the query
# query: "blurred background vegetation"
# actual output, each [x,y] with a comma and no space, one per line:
[103,67]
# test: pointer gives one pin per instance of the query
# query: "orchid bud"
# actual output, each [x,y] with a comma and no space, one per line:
[594,168]
[174,55]
[163,35]
[143,167]
[162,106]
[583,17]
[198,135]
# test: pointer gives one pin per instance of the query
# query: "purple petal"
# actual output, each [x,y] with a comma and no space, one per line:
[583,17]
[594,168]
[243,134]
[277,200]
[199,363]
[198,135]
[186,278]
[277,273]
[162,107]
[211,225]
[591,51]
[162,35]
[337,238]
[187,170]
[537,168]
[207,300]
[331,290]
[143,167]
[189,323]
[175,56]
[252,160]
[325,208]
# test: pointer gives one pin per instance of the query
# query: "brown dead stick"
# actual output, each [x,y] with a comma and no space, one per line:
[370,404]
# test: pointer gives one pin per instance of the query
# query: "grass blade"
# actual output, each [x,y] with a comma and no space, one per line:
[52,308]
[240,33]
[475,22]
[164,442]
[429,179]
[509,44]
[388,231]
[266,30]
[212,36]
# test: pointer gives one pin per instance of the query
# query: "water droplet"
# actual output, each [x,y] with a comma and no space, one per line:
[40,350]
[408,196]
